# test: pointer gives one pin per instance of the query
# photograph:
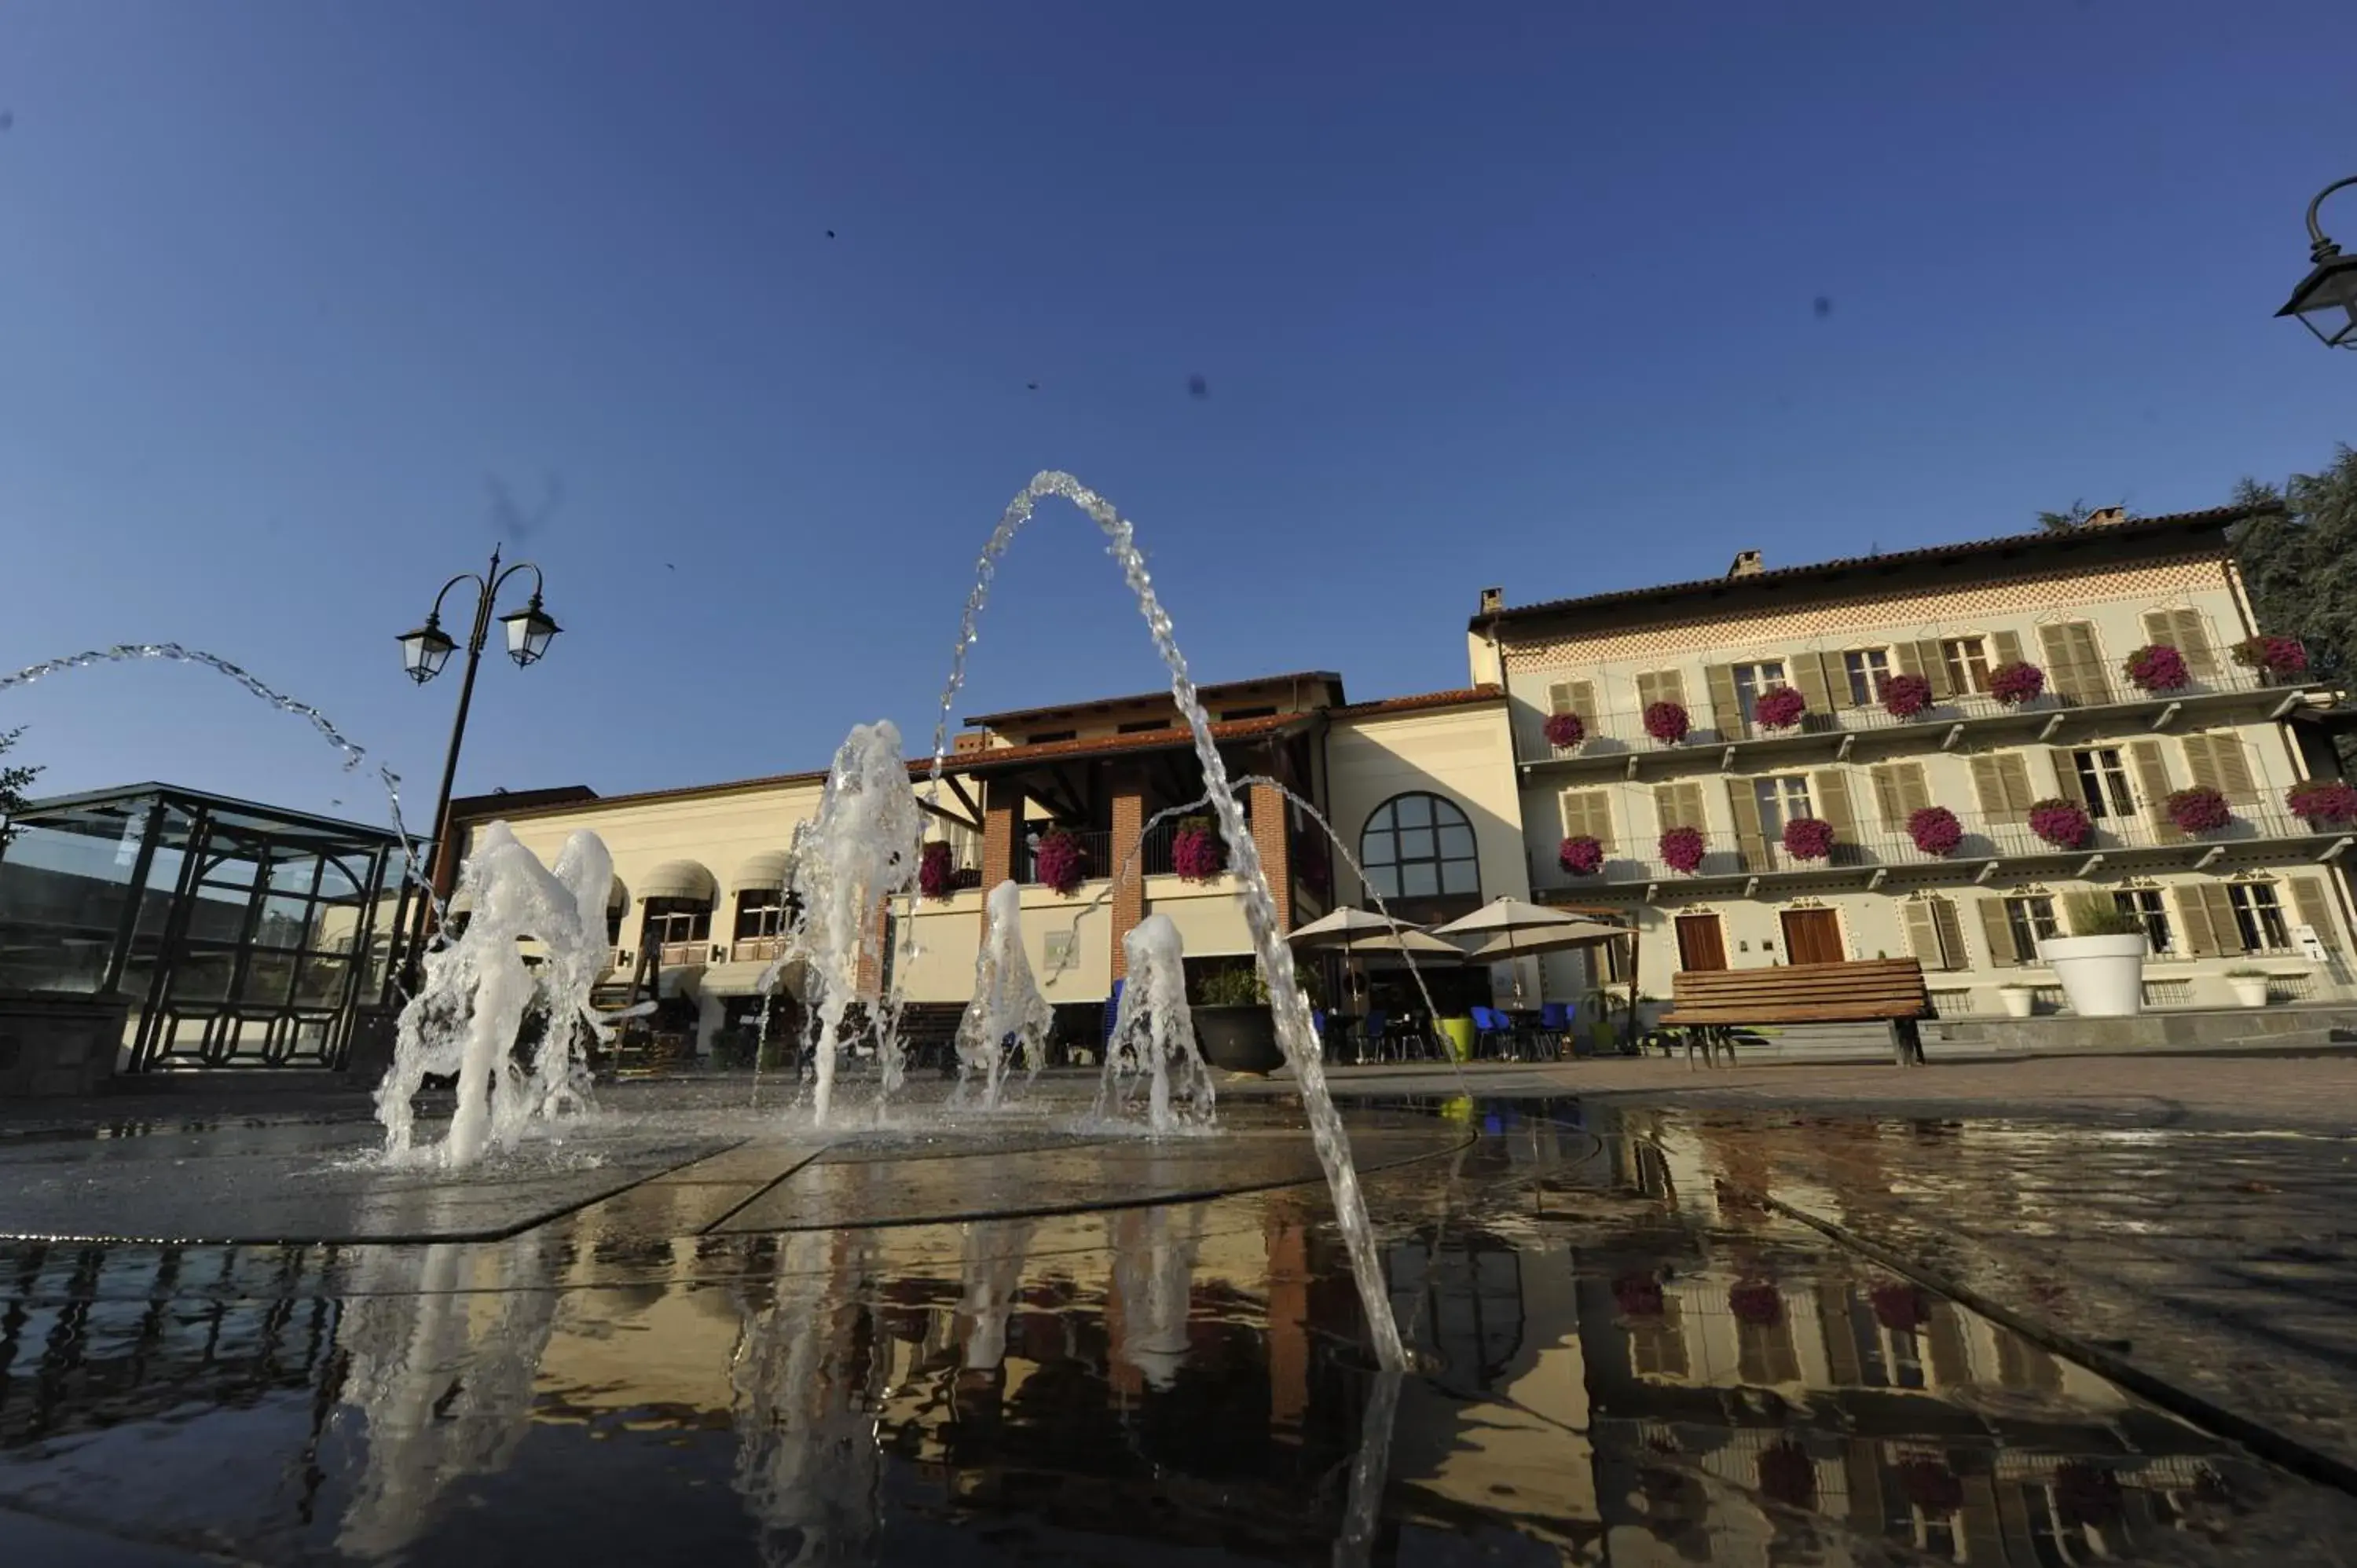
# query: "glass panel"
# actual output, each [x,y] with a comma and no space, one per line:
[286,922]
[1460,876]
[1383,880]
[1456,840]
[1419,879]
[269,976]
[1415,844]
[1380,849]
[203,975]
[322,982]
[1414,810]
[295,874]
[229,871]
[1381,821]
[217,917]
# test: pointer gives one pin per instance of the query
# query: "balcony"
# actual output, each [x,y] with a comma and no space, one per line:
[1617,741]
[756,949]
[1096,850]
[1869,857]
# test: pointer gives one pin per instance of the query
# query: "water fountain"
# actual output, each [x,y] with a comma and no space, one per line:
[1153,1038]
[860,852]
[1006,1016]
[475,992]
[1155,1251]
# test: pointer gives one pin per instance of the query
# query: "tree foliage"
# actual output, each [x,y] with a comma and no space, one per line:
[13,781]
[2069,517]
[2300,564]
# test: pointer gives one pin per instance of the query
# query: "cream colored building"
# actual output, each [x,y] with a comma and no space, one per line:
[1420,789]
[2262,892]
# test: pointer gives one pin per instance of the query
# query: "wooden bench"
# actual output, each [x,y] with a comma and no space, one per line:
[1708,1002]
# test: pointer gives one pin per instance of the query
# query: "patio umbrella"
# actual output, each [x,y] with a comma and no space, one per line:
[1356,932]
[1506,929]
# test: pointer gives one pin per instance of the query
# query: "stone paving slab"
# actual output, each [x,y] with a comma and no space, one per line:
[305,1182]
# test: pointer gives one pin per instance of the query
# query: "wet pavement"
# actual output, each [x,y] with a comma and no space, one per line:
[1627,1364]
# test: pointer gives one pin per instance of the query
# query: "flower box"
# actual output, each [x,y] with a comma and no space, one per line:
[2276,656]
[2017,681]
[1581,855]
[1667,722]
[1564,731]
[1779,707]
[1061,862]
[1809,838]
[1935,830]
[1683,849]
[1196,852]
[1906,697]
[936,874]
[2157,667]
[2062,823]
[2199,810]
[2323,803]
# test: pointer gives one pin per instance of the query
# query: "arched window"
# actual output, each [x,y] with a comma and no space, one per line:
[1420,856]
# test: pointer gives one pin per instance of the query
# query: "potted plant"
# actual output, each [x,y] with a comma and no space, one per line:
[2278,657]
[1809,838]
[1667,722]
[1779,707]
[2199,810]
[1564,731]
[2062,823]
[2323,803]
[1060,860]
[1235,1025]
[1581,855]
[2101,963]
[1905,696]
[936,875]
[2019,997]
[2249,986]
[2157,667]
[1683,849]
[1196,852]
[2017,681]
[1935,830]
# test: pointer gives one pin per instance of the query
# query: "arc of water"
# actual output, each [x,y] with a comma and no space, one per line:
[1290,1009]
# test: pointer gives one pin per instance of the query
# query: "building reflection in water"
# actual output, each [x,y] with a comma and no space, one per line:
[1629,1368]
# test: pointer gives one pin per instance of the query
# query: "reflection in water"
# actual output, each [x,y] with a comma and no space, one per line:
[1625,1366]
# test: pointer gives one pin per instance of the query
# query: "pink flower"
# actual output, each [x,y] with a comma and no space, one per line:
[1582,856]
[1196,853]
[1779,707]
[1682,849]
[1931,1486]
[1898,1306]
[1638,1294]
[1061,861]
[1755,1302]
[2275,655]
[1904,696]
[2157,667]
[936,877]
[2062,823]
[1935,830]
[2323,803]
[2199,810]
[1666,722]
[1808,838]
[2017,682]
[1564,731]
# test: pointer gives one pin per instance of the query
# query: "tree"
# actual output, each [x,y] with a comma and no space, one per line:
[2300,562]
[2063,522]
[11,785]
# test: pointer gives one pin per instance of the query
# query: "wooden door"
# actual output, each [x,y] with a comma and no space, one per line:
[1701,944]
[1812,936]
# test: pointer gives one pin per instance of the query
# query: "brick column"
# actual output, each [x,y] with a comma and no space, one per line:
[1002,805]
[1268,832]
[872,930]
[1129,885]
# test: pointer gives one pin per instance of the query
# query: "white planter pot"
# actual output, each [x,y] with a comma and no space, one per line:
[2251,991]
[2102,976]
[2017,1001]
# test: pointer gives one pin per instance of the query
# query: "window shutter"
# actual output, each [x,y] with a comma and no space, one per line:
[1589,813]
[1808,670]
[1989,787]
[1910,658]
[2005,648]
[2219,905]
[2074,665]
[2314,906]
[1661,686]
[1748,836]
[2194,919]
[1725,709]
[1678,805]
[1690,808]
[1951,926]
[1998,932]
[1922,934]
[1832,792]
[1935,667]
[2199,762]
[2220,761]
[1648,689]
[1574,697]
[2013,774]
[2066,776]
[1886,796]
[2183,630]
[2152,781]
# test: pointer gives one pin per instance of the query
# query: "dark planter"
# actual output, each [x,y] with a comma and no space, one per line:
[1239,1040]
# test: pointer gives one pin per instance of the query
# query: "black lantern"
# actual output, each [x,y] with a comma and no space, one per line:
[528,630]
[2326,300]
[424,650]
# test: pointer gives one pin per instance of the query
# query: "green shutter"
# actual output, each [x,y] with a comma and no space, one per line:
[1886,796]
[1922,933]
[1832,792]
[1725,708]
[2314,905]
[1951,926]
[2066,776]
[1998,932]
[2152,782]
[1935,667]
[1678,806]
[1587,813]
[2183,630]
[1749,838]
[2234,769]
[1989,787]
[1809,674]
[2013,775]
[2074,664]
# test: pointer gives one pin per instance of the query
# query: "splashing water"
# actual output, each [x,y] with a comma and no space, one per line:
[1007,1015]
[1293,1030]
[860,852]
[1154,1036]
[1153,1255]
[465,1014]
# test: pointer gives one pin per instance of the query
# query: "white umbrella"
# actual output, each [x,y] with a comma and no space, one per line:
[1356,932]
[1506,929]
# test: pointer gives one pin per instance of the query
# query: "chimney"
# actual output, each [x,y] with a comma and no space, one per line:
[968,741]
[1492,600]
[1747,565]
[2104,516]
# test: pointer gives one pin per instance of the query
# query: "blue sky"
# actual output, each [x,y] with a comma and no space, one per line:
[1519,293]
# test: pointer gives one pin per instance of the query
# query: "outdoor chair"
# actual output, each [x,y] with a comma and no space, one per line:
[1493,1031]
[1555,1024]
[1371,1030]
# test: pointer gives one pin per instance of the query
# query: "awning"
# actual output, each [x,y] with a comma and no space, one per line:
[765,872]
[678,879]
[618,896]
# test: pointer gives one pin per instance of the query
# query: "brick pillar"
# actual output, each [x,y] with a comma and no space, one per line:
[871,950]
[1129,890]
[1268,832]
[1002,806]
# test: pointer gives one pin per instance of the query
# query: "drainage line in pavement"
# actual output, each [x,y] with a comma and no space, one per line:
[2290,1453]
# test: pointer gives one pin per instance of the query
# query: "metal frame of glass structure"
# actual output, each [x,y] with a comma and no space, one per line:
[243,935]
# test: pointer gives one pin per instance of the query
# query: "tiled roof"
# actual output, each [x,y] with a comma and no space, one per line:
[1222,689]
[1464,696]
[2215,519]
[1109,745]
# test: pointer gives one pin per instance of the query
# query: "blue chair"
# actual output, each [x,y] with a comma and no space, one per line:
[1111,1012]
[1554,1023]
[1493,1028]
[1318,1031]
[1371,1034]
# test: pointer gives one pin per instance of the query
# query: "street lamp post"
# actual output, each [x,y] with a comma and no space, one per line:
[2326,300]
[426,650]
